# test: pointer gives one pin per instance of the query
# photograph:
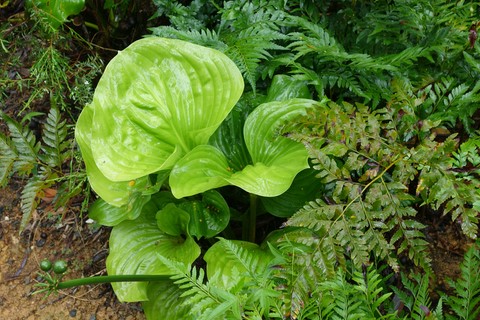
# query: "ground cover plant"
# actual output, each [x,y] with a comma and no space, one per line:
[274,160]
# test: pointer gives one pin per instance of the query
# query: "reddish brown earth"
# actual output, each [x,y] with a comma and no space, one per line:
[53,234]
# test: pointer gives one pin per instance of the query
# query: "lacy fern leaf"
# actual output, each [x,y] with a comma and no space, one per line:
[25,144]
[206,302]
[8,155]
[369,284]
[338,299]
[30,194]
[54,137]
[416,298]
[466,301]
[304,261]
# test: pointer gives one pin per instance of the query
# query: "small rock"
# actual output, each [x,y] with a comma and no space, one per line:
[99,256]
[73,313]
[40,242]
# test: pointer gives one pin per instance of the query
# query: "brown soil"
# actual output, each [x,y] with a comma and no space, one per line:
[53,234]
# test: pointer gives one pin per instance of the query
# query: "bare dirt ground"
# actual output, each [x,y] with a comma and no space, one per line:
[53,234]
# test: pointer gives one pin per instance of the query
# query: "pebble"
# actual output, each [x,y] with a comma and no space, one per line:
[99,256]
[40,242]
[73,313]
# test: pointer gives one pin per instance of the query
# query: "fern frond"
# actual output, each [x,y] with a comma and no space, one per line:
[466,302]
[417,298]
[339,300]
[440,186]
[306,260]
[30,196]
[468,154]
[8,155]
[54,137]
[369,284]
[344,80]
[205,302]
[250,262]
[164,299]
[247,48]
[408,237]
[25,144]
[204,37]
[407,57]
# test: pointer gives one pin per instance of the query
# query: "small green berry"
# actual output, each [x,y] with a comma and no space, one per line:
[60,266]
[46,265]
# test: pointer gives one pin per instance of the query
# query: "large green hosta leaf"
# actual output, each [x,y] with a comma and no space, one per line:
[286,87]
[157,100]
[135,247]
[108,215]
[115,193]
[275,159]
[137,195]
[305,187]
[199,217]
[229,136]
[57,11]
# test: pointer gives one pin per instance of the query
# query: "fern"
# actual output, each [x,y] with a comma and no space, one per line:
[208,38]
[250,262]
[256,284]
[445,189]
[339,301]
[191,17]
[30,195]
[466,302]
[165,299]
[339,298]
[368,172]
[40,163]
[369,284]
[25,144]
[8,155]
[416,297]
[205,302]
[448,102]
[304,261]
[467,157]
[251,46]
[54,138]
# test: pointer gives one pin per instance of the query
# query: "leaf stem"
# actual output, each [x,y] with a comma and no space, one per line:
[109,279]
[252,218]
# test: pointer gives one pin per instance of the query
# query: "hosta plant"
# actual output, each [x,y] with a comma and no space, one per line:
[151,154]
